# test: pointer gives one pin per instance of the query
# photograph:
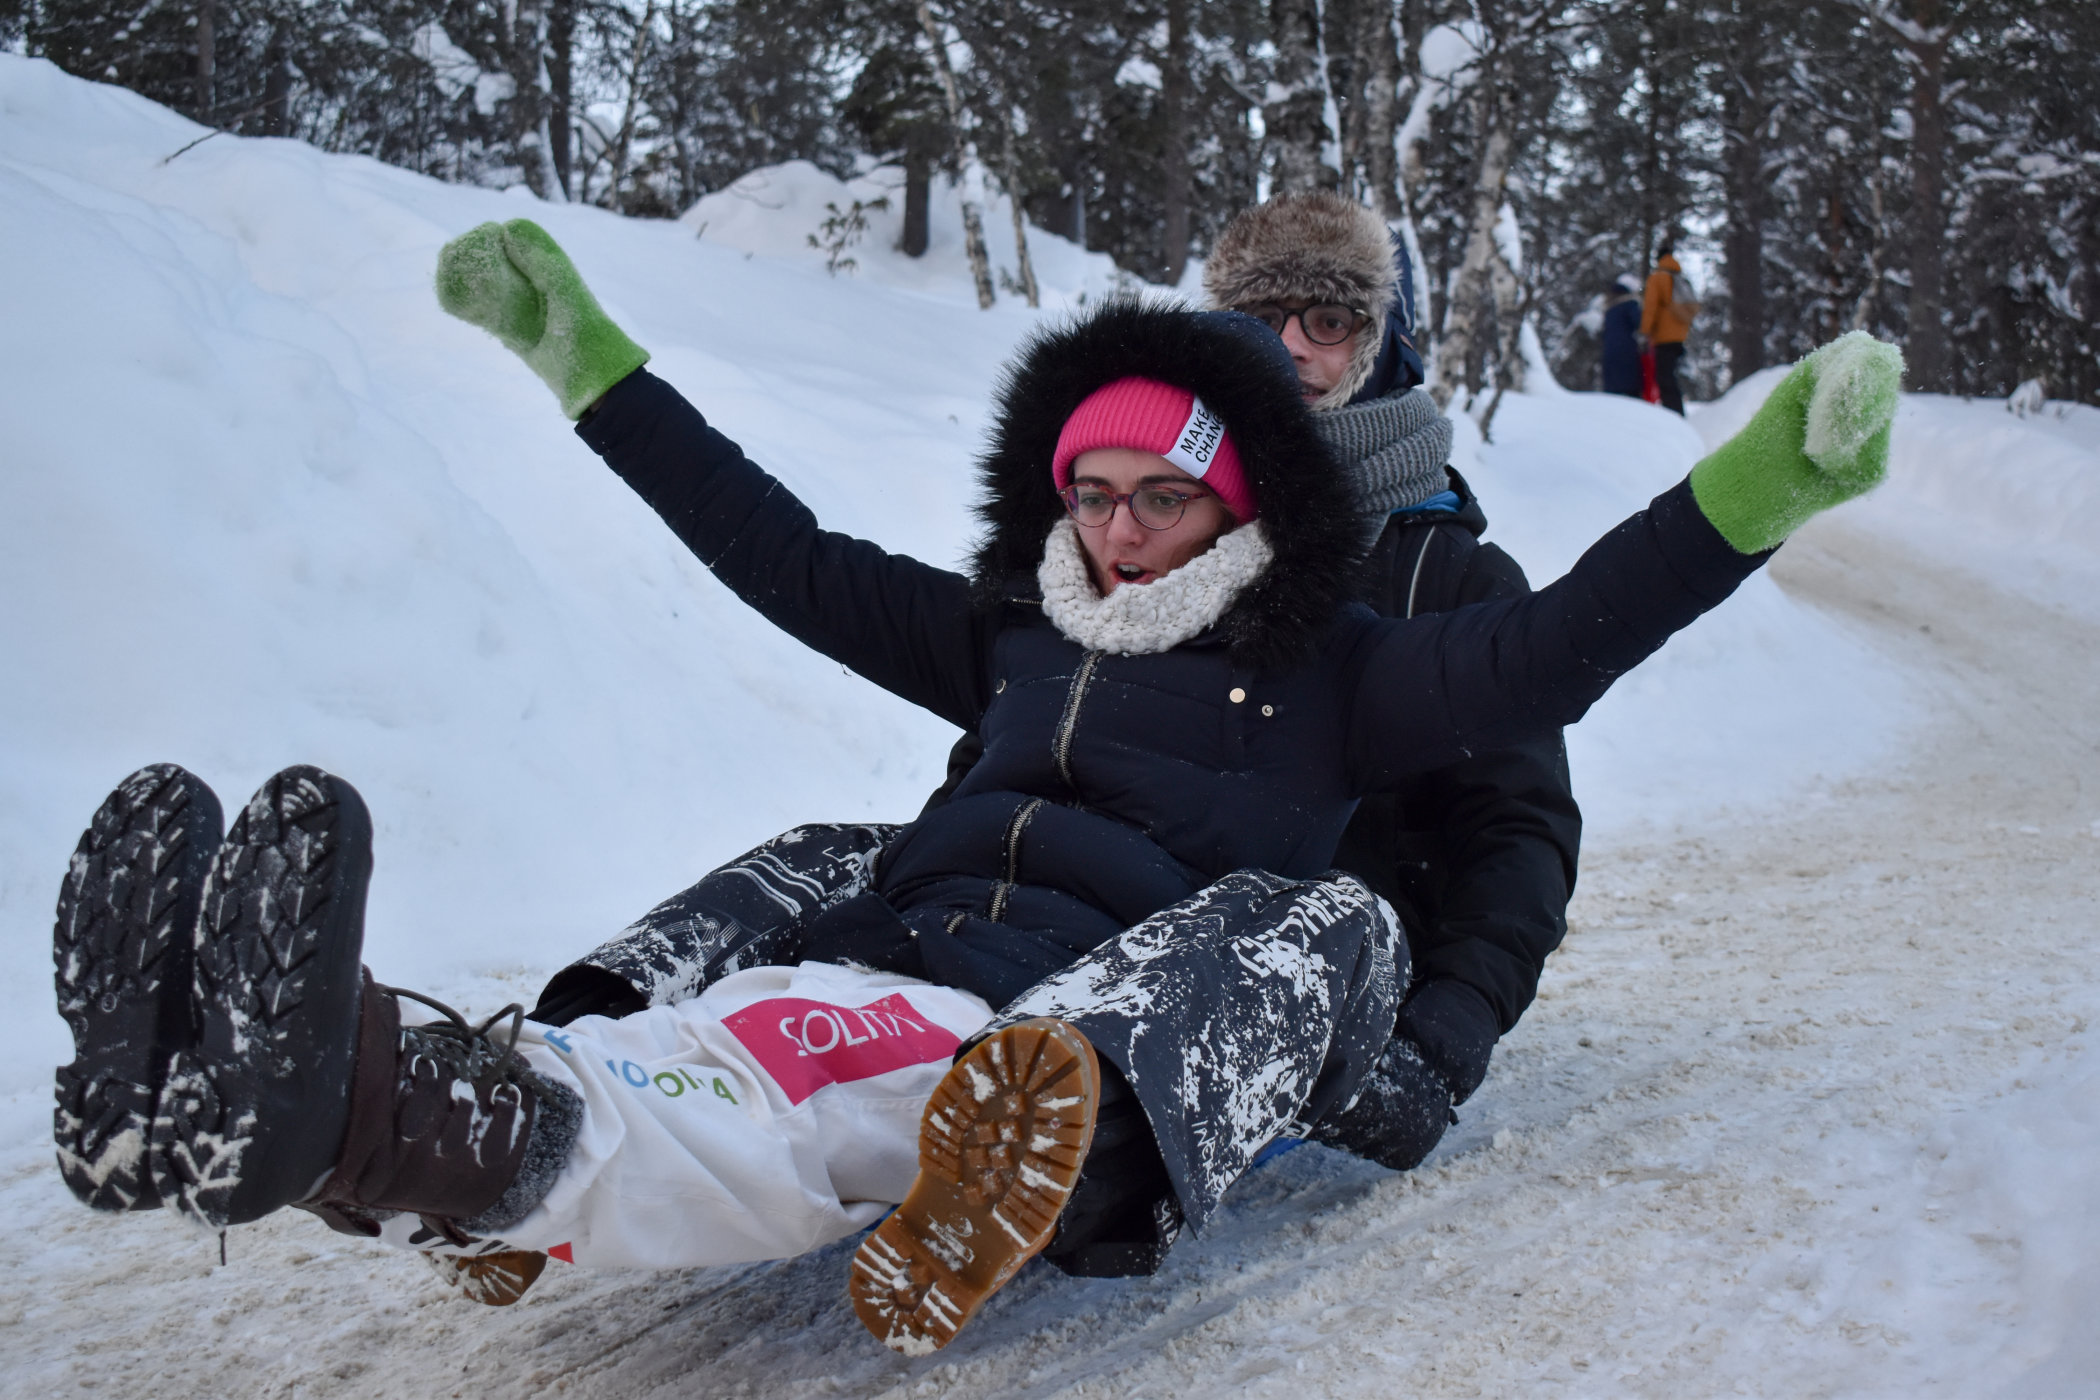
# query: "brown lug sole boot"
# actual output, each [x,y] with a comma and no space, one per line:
[1000,1146]
[498,1278]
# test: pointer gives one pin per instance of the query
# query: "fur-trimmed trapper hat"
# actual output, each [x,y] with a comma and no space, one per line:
[1240,371]
[1310,247]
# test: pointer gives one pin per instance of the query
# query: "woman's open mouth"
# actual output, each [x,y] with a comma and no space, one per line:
[1132,573]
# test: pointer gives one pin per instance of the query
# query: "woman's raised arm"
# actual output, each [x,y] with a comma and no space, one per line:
[1430,690]
[904,625]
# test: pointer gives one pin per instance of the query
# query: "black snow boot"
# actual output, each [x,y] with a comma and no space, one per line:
[252,1114]
[127,918]
[303,1087]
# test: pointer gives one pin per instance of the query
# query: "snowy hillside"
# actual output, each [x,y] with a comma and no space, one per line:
[261,502]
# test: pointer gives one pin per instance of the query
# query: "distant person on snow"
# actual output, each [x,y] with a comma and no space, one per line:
[1621,338]
[1180,705]
[1667,308]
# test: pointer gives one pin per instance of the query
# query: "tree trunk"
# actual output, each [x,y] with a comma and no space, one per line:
[1026,268]
[1743,175]
[1174,167]
[561,51]
[1925,347]
[918,192]
[277,85]
[1380,58]
[1465,339]
[531,131]
[1651,142]
[1511,306]
[207,60]
[1409,173]
[965,161]
[1298,136]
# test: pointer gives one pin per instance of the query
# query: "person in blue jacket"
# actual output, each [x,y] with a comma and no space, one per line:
[1621,336]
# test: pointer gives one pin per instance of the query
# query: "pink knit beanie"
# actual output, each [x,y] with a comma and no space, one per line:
[1154,417]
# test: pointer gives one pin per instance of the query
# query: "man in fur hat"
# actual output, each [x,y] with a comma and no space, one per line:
[1479,858]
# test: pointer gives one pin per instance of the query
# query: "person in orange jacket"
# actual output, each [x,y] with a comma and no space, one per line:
[1667,309]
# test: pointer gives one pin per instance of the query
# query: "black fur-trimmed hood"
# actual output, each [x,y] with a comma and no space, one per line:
[1242,373]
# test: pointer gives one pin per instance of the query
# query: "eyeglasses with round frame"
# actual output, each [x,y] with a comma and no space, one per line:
[1156,506]
[1324,322]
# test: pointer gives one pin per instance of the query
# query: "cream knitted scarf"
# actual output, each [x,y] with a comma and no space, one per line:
[1138,619]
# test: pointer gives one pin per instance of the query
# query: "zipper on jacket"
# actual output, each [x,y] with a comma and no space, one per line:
[1415,582]
[1062,750]
[996,911]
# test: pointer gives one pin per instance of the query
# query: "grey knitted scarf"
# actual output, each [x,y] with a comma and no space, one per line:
[1395,450]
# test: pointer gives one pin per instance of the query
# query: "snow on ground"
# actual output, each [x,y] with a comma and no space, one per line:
[261,502]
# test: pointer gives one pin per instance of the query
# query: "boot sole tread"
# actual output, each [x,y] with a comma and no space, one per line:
[277,985]
[121,948]
[1000,1147]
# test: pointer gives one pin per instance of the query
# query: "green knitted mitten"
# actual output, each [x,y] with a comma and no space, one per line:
[1820,439]
[516,283]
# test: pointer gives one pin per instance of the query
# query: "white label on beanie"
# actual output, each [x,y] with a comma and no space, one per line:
[1196,446]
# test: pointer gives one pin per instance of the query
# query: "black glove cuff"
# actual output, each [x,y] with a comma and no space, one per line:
[1455,1029]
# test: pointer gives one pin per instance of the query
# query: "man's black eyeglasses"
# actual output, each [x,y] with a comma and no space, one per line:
[1324,322]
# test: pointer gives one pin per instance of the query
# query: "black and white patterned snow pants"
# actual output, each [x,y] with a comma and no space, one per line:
[748,913]
[1247,1012]
[1250,1011]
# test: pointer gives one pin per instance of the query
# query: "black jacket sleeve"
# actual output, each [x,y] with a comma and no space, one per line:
[1481,854]
[1428,691]
[906,626]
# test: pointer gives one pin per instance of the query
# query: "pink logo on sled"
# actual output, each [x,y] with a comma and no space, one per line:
[805,1045]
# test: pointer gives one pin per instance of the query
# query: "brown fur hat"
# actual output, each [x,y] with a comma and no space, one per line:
[1310,247]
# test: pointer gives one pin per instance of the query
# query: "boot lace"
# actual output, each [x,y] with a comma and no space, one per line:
[466,1051]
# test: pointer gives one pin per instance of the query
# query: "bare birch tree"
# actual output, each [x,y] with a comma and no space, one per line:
[1483,272]
[965,161]
[1024,275]
[637,52]
[1298,116]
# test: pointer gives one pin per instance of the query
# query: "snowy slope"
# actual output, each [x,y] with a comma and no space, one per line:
[264,503]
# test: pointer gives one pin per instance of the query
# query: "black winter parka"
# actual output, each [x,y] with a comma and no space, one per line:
[1112,786]
[1477,857]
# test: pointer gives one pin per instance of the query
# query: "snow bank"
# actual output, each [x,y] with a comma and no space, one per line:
[775,211]
[265,503]
[1997,1204]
